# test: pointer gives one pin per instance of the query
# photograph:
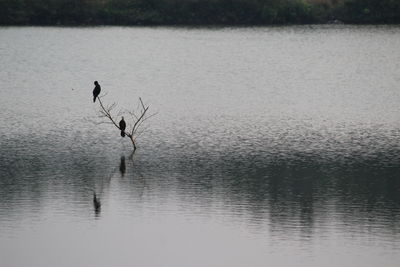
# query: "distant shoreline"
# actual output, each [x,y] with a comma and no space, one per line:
[199,25]
[196,12]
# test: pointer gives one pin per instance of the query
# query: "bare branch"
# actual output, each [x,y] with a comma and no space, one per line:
[137,121]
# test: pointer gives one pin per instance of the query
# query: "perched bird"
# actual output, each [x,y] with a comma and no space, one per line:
[122,126]
[96,91]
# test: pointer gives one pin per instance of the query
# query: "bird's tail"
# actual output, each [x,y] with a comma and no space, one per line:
[122,133]
[94,99]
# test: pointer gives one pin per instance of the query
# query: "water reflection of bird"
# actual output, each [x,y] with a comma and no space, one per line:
[96,91]
[122,127]
[122,166]
[96,203]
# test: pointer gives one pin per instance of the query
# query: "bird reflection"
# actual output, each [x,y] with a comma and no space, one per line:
[122,166]
[96,204]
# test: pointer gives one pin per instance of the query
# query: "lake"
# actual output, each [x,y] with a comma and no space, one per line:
[271,146]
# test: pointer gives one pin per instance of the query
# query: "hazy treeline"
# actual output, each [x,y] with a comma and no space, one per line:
[197,12]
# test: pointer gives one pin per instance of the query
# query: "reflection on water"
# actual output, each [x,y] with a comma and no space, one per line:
[272,146]
[96,204]
[303,198]
[122,166]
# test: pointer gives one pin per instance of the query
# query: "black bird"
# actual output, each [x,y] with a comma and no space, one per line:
[96,91]
[122,126]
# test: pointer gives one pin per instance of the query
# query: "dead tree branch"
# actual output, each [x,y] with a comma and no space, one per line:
[137,119]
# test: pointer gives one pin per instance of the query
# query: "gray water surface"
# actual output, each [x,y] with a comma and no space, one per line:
[271,147]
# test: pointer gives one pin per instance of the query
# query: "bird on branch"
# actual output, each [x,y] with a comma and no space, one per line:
[122,126]
[96,91]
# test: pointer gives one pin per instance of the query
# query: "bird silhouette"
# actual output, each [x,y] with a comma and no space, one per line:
[122,126]
[96,91]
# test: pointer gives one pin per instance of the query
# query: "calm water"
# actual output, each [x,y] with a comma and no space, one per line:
[271,147]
